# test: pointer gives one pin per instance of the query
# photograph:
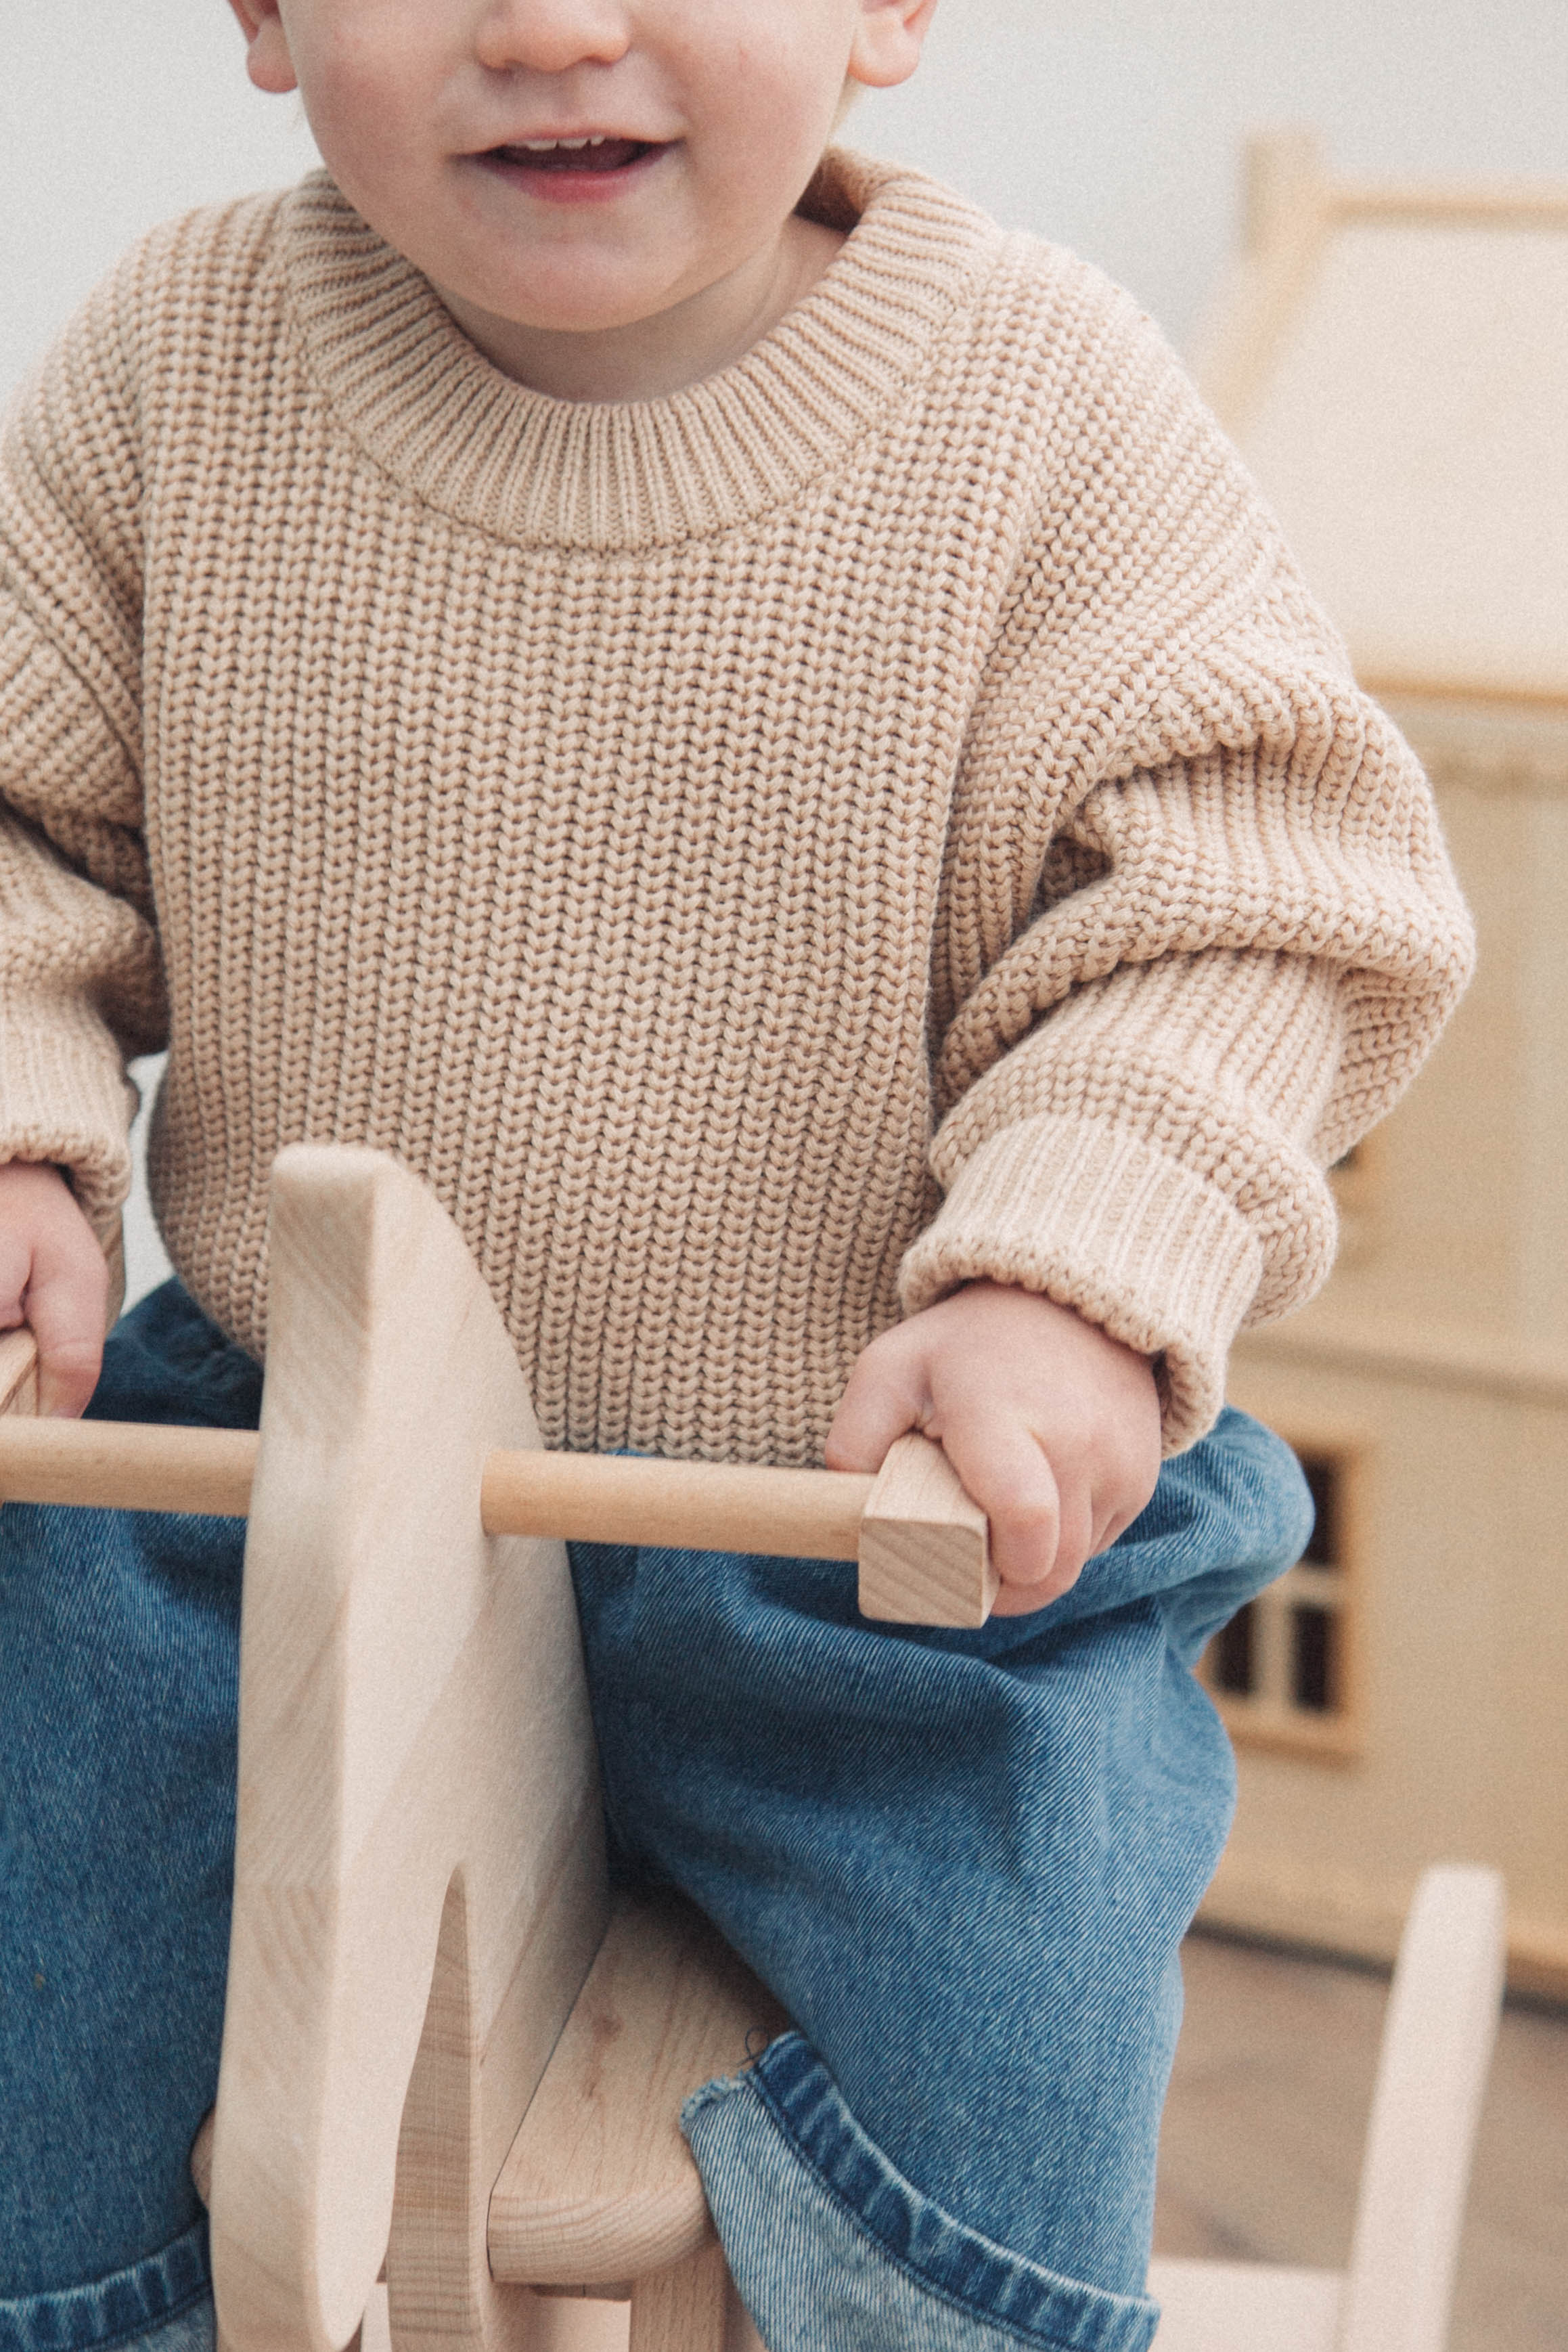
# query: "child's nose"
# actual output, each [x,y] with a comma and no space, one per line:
[551,36]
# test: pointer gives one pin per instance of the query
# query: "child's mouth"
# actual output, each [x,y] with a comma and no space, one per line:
[598,155]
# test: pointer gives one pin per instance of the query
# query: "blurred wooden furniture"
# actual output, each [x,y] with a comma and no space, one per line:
[1391,360]
[1436,2048]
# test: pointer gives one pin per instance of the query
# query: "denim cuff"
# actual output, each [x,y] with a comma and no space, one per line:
[163,2302]
[827,2242]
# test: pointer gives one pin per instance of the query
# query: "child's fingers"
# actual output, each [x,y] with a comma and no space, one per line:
[1054,1428]
[886,1395]
[66,1311]
[1041,1525]
[54,1277]
[1075,1545]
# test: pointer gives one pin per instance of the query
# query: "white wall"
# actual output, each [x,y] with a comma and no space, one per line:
[1115,125]
[1111,124]
[115,114]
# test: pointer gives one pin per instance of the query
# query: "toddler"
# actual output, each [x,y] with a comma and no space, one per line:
[746,723]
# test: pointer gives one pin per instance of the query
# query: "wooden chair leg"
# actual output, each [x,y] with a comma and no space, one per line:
[683,2308]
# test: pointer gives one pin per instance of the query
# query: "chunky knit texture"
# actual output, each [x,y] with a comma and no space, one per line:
[693,833]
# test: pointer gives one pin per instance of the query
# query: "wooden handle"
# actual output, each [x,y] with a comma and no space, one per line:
[127,1465]
[695,1505]
[920,1540]
[924,1544]
[18,1371]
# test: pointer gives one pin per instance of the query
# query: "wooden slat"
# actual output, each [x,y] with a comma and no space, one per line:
[682,2309]
[1502,690]
[599,2185]
[1521,202]
[1244,2307]
[1432,2074]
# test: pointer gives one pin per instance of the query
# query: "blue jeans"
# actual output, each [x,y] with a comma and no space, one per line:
[964,1861]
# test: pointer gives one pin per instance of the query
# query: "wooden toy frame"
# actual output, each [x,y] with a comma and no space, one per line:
[444,2051]
[425,1972]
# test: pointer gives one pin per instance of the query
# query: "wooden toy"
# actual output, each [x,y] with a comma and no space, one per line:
[1392,360]
[446,2055]
[423,1956]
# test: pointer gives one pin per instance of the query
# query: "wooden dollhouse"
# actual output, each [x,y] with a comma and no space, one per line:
[1393,362]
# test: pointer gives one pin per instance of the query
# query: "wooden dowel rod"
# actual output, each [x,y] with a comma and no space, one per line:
[602,1498]
[696,1506]
[127,1466]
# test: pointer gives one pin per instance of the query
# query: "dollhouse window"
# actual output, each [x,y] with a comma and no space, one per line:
[1280,1671]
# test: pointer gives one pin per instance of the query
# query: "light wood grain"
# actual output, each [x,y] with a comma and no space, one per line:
[699,1506]
[1503,689]
[202,2159]
[416,1769]
[683,2309]
[127,1466]
[1437,2050]
[1244,2307]
[18,1374]
[464,2097]
[924,1546]
[588,1497]
[1522,202]
[1288,213]
[599,2185]
[1437,2044]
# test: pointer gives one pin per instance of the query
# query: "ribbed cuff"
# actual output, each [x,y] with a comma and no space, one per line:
[830,2244]
[69,1103]
[1100,1221]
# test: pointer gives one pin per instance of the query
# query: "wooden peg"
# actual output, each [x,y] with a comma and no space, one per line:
[688,1506]
[127,1466]
[924,1550]
[18,1372]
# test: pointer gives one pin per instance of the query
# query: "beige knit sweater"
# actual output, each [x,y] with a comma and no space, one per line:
[887,814]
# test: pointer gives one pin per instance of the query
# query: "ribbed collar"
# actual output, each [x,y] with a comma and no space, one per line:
[406,382]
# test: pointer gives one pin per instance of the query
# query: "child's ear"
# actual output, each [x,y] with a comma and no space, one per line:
[888,40]
[267,61]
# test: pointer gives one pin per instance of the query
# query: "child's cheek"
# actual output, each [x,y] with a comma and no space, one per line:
[375,88]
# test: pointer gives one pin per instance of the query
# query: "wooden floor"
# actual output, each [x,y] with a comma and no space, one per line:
[1262,2137]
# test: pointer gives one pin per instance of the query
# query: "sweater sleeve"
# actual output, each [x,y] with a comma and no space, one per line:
[1201,926]
[80,985]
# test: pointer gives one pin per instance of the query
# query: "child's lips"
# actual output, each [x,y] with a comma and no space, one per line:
[596,157]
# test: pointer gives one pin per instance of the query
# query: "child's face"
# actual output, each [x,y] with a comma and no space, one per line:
[706,118]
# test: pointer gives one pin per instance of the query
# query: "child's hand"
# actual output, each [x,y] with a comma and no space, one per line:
[53,1277]
[1052,1426]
